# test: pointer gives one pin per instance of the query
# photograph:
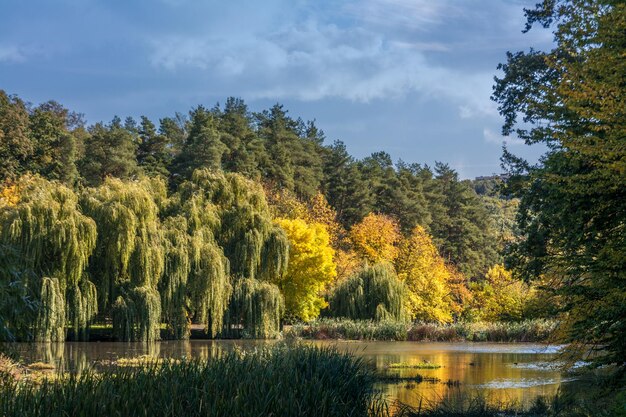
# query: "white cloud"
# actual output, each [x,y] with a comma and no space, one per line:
[314,61]
[11,53]
[415,14]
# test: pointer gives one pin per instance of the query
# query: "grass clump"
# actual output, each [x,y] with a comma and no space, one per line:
[421,365]
[281,381]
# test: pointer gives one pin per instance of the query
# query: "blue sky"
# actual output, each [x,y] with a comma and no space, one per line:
[411,77]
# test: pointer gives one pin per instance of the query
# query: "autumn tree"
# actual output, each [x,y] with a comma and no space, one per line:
[499,296]
[311,268]
[375,238]
[426,276]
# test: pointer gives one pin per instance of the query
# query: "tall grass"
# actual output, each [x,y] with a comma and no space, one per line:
[525,331]
[557,406]
[278,381]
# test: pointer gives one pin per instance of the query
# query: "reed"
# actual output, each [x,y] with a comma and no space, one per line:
[283,381]
[538,330]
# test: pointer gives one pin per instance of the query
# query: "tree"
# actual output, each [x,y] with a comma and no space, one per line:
[152,151]
[573,203]
[343,185]
[15,143]
[202,147]
[426,277]
[48,243]
[233,210]
[375,238]
[129,257]
[109,152]
[375,292]
[499,297]
[460,224]
[311,268]
[294,161]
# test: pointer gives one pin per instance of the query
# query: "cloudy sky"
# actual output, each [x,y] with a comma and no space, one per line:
[411,77]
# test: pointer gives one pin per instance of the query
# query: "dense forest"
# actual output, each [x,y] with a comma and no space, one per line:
[237,220]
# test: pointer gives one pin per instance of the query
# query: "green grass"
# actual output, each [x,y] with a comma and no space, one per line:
[279,381]
[525,331]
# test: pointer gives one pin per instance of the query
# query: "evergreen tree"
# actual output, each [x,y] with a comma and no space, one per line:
[109,152]
[152,153]
[202,147]
[460,225]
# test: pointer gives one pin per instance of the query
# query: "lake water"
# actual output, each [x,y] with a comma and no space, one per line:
[501,372]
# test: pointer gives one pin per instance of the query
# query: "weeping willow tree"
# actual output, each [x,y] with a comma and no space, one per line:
[48,235]
[129,257]
[375,292]
[237,253]
[173,285]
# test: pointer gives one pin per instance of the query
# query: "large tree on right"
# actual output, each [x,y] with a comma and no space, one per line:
[573,202]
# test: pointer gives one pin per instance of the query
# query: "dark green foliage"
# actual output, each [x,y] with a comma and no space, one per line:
[109,152]
[343,185]
[460,224]
[372,293]
[202,147]
[153,155]
[294,159]
[55,146]
[18,305]
[573,203]
[282,381]
[16,146]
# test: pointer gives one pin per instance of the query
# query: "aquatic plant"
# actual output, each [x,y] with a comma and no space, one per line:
[284,381]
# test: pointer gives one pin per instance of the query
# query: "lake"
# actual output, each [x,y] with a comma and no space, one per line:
[501,372]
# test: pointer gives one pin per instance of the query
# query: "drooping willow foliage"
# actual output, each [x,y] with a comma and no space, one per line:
[208,253]
[50,237]
[375,292]
[129,257]
[237,252]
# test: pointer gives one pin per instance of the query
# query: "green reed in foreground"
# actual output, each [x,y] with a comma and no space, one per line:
[281,381]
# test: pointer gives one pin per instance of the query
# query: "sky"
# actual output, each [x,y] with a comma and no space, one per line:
[410,77]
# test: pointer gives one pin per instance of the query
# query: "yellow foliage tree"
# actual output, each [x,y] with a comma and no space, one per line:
[9,195]
[500,296]
[310,269]
[375,238]
[426,277]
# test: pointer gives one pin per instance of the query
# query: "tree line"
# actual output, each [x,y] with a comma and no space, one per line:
[233,219]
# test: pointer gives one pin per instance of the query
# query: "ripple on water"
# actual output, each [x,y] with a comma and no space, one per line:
[522,383]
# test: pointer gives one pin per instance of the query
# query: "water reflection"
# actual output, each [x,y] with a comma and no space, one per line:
[498,372]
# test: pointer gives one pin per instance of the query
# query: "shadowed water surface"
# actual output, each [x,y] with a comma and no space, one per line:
[501,372]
